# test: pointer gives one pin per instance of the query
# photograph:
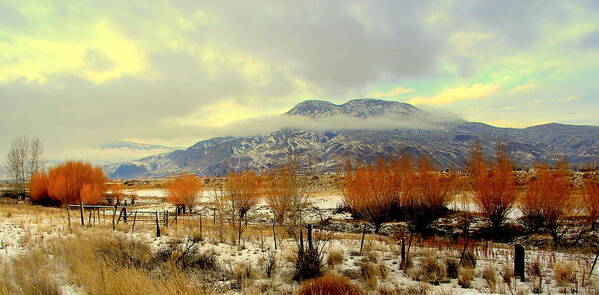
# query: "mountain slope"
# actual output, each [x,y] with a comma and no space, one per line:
[448,143]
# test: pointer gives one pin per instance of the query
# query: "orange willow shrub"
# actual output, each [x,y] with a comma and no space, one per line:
[65,183]
[116,193]
[425,196]
[243,191]
[591,202]
[548,200]
[183,190]
[495,189]
[38,187]
[279,192]
[371,192]
[329,284]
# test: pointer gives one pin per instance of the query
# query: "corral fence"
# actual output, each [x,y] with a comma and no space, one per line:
[97,214]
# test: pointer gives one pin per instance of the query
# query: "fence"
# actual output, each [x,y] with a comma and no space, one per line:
[97,214]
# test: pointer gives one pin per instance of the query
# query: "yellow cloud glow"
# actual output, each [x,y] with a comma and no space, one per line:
[394,92]
[103,54]
[461,93]
[521,88]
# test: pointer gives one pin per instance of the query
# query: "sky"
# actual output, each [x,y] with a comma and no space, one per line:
[82,73]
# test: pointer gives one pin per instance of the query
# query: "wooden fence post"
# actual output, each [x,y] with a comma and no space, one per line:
[201,229]
[519,261]
[274,232]
[134,218]
[239,234]
[157,225]
[113,217]
[69,216]
[81,211]
[125,214]
[363,236]
[594,263]
[403,253]
[310,243]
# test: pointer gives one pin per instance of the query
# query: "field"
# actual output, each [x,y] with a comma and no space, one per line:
[202,253]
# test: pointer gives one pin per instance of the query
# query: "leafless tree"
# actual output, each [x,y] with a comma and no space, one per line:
[289,189]
[23,159]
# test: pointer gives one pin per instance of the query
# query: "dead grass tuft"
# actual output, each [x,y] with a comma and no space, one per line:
[565,273]
[466,275]
[329,284]
[430,270]
[335,257]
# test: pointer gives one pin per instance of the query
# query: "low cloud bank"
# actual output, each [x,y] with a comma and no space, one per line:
[429,119]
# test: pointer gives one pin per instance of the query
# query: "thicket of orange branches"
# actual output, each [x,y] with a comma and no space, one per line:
[183,190]
[383,192]
[494,188]
[370,192]
[426,195]
[70,182]
[548,200]
[591,202]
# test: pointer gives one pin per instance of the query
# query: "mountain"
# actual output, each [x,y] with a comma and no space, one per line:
[448,142]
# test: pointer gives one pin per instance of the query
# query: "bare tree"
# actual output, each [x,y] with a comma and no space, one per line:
[289,189]
[35,156]
[23,159]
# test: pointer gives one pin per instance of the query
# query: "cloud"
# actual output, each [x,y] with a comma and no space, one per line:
[78,73]
[429,119]
[522,88]
[457,94]
[568,98]
[394,92]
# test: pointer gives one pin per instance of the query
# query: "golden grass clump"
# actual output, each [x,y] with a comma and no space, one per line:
[335,257]
[329,284]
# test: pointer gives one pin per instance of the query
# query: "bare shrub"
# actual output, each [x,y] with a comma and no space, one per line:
[329,284]
[268,263]
[335,257]
[241,273]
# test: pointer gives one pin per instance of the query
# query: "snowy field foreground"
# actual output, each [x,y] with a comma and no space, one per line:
[39,251]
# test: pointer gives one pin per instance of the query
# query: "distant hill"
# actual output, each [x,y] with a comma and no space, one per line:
[448,142]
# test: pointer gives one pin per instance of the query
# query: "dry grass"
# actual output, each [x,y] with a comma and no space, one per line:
[29,274]
[466,275]
[335,257]
[565,273]
[430,270]
[490,276]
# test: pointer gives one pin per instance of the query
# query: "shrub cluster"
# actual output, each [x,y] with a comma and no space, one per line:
[385,191]
[71,182]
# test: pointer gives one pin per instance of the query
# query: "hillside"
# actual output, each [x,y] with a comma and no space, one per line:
[448,142]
